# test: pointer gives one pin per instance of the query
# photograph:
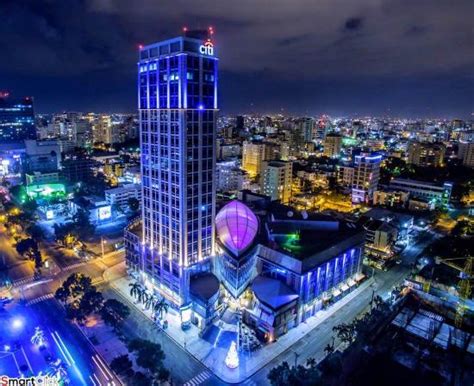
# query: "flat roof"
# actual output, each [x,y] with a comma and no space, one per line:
[313,245]
[272,292]
[204,286]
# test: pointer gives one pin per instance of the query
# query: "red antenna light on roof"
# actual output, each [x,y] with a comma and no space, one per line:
[140,46]
[185,29]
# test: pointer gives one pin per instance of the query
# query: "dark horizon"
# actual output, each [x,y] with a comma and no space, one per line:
[410,60]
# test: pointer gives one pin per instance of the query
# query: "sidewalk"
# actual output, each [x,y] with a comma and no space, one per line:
[212,356]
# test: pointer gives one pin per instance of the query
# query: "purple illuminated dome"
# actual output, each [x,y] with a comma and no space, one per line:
[236,226]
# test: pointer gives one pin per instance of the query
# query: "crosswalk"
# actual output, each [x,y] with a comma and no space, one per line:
[72,266]
[40,299]
[23,281]
[198,379]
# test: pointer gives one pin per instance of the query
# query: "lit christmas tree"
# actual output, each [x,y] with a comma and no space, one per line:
[232,358]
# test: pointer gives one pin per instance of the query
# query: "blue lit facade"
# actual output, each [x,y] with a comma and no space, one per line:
[318,284]
[177,98]
[366,177]
[17,119]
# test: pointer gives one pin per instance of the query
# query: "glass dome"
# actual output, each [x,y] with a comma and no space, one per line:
[236,226]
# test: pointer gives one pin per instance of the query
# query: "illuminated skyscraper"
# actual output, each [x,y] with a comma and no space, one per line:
[17,118]
[332,145]
[177,101]
[253,154]
[276,180]
[366,177]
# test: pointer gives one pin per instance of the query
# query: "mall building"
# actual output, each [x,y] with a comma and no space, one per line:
[277,266]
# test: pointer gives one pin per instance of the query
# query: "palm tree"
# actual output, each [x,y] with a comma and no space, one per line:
[345,332]
[38,338]
[141,294]
[135,288]
[145,299]
[58,370]
[311,362]
[329,349]
[149,301]
[159,308]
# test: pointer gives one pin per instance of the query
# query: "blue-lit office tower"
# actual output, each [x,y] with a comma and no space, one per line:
[177,101]
[17,118]
[366,176]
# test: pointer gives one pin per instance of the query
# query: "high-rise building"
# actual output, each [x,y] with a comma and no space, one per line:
[239,123]
[41,156]
[177,96]
[253,154]
[332,145]
[366,177]
[306,128]
[17,118]
[466,153]
[276,180]
[426,154]
[229,177]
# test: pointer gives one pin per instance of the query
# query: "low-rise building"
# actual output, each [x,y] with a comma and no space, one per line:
[120,195]
[437,194]
[100,211]
[38,178]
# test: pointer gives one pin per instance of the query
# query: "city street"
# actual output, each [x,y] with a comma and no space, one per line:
[18,267]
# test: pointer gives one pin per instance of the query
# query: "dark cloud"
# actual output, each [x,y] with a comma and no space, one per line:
[84,51]
[292,40]
[353,23]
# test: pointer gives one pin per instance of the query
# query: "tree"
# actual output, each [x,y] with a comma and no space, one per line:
[159,308]
[114,313]
[284,375]
[134,288]
[65,233]
[62,294]
[29,248]
[140,379]
[82,223]
[80,297]
[345,332]
[122,365]
[29,206]
[35,231]
[280,375]
[38,338]
[329,349]
[149,355]
[26,247]
[91,302]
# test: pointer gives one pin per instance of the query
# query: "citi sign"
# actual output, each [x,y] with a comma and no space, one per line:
[207,48]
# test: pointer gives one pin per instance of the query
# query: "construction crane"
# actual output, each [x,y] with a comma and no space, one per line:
[464,285]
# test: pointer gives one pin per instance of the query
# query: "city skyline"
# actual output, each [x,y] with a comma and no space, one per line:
[276,194]
[381,58]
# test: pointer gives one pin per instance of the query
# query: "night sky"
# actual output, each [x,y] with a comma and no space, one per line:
[341,57]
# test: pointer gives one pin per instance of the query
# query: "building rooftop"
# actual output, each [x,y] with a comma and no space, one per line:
[204,286]
[313,242]
[272,292]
